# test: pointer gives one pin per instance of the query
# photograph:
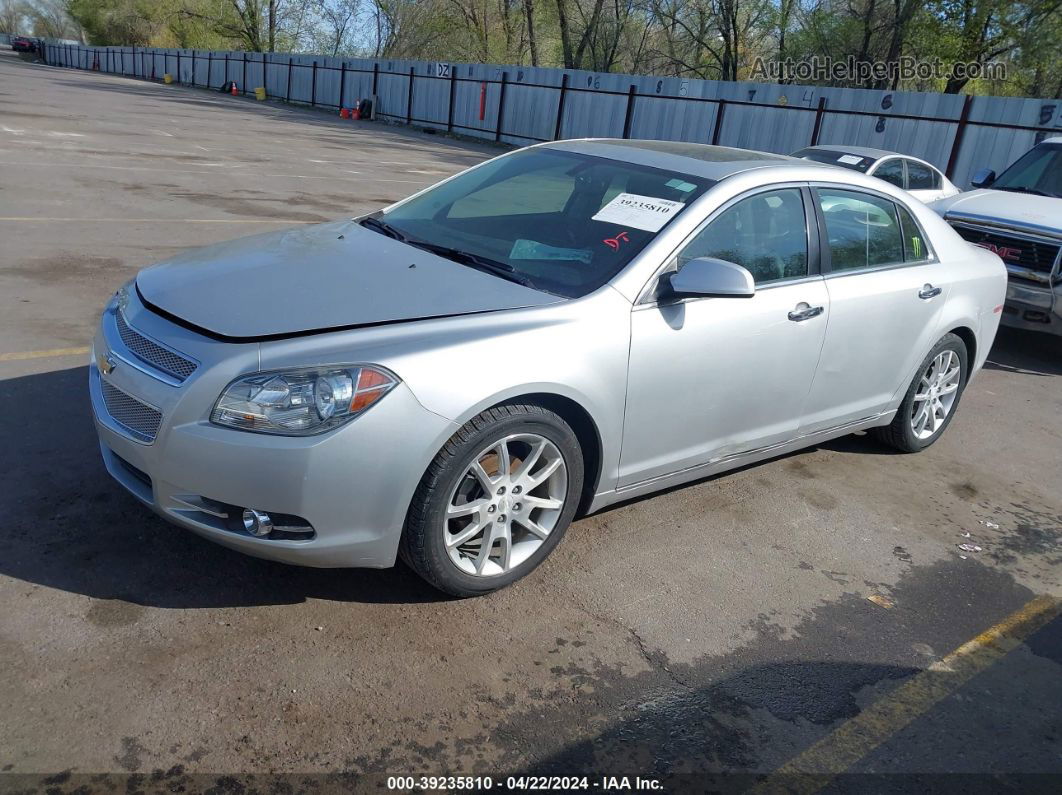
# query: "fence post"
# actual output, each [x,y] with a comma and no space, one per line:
[193,68]
[342,82]
[375,80]
[409,98]
[210,69]
[501,105]
[287,97]
[629,117]
[450,107]
[960,131]
[226,80]
[134,61]
[720,112]
[313,86]
[819,111]
[560,106]
[243,78]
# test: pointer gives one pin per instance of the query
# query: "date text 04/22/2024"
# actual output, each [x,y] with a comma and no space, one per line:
[532,783]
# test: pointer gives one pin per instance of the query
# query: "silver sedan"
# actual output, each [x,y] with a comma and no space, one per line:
[453,378]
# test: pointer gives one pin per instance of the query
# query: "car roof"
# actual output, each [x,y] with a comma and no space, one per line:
[1057,139]
[702,160]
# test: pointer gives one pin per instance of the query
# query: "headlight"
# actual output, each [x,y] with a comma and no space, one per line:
[301,402]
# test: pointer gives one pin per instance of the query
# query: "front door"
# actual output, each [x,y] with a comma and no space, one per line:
[710,377]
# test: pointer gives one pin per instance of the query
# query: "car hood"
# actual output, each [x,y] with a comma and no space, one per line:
[318,278]
[1038,214]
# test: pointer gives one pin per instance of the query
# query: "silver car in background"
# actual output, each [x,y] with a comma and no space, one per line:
[558,329]
[922,180]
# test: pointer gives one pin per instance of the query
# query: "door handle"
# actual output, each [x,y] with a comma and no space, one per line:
[929,291]
[805,312]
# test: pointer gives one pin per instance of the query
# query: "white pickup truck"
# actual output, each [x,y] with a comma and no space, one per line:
[1018,215]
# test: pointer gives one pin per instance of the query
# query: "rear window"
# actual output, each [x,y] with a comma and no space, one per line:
[836,157]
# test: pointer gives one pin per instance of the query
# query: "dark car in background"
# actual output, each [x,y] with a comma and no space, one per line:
[22,44]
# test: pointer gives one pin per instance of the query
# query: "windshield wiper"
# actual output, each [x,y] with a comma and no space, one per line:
[383,228]
[1022,189]
[486,264]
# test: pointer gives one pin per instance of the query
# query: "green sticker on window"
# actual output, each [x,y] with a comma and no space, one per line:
[681,185]
[916,246]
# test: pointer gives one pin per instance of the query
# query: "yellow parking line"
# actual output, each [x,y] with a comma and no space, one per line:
[21,356]
[814,768]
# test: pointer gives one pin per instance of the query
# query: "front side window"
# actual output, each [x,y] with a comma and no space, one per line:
[863,230]
[891,171]
[765,233]
[921,177]
[557,221]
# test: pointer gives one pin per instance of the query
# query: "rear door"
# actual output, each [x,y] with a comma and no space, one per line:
[886,292]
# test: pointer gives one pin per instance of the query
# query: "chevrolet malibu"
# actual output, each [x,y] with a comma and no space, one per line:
[560,328]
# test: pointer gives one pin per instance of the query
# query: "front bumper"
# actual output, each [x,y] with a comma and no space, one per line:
[353,484]
[1033,307]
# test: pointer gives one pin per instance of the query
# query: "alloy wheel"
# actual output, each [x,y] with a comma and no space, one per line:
[937,390]
[505,505]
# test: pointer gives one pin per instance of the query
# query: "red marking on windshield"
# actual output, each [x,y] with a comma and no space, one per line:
[614,242]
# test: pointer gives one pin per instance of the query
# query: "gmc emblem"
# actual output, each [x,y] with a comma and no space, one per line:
[1003,252]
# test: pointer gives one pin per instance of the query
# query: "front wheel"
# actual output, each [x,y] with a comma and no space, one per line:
[931,400]
[495,501]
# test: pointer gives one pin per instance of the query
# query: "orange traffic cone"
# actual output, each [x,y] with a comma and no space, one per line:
[234,91]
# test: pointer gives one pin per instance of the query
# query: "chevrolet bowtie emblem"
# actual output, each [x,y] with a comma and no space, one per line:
[106,363]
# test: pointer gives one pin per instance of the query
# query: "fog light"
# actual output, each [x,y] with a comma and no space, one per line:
[257,523]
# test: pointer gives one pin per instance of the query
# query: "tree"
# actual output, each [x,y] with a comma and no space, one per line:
[12,16]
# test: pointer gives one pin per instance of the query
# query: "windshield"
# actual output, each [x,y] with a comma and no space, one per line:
[556,221]
[1037,171]
[836,158]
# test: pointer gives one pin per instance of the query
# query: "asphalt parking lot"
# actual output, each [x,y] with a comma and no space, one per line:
[726,627]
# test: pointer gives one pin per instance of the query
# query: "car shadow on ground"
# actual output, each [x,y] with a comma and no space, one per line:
[1026,352]
[69,526]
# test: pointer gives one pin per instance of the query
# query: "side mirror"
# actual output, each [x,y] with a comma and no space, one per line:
[707,277]
[983,178]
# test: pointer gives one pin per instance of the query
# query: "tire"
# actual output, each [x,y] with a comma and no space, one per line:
[900,433]
[452,484]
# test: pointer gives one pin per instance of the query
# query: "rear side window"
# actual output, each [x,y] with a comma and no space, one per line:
[914,245]
[891,171]
[920,177]
[863,230]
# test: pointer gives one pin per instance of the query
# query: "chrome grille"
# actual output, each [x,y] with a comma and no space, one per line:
[146,350]
[139,419]
[1033,255]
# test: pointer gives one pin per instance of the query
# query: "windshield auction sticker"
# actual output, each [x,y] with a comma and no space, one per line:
[641,212]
